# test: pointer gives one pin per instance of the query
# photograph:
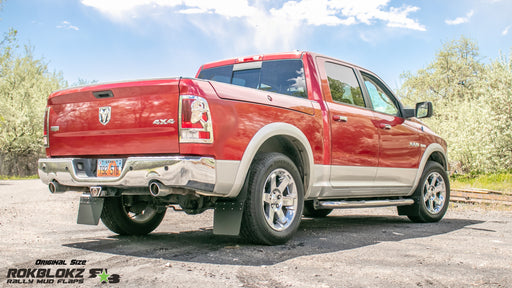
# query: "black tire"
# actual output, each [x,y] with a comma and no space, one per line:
[310,211]
[431,197]
[130,220]
[271,216]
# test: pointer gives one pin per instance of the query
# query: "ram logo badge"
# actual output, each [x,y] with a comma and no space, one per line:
[104,115]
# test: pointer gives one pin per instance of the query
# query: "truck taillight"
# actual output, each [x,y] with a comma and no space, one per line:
[195,120]
[46,133]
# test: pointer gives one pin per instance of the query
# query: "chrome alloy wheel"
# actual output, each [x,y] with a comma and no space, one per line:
[434,193]
[279,199]
[139,214]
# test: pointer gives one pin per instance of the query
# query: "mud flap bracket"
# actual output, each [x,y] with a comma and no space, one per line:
[89,211]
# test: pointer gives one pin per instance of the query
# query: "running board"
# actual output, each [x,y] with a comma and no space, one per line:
[361,203]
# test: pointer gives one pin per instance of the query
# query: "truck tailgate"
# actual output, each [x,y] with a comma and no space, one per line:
[130,118]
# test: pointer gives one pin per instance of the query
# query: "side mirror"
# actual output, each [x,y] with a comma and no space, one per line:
[424,110]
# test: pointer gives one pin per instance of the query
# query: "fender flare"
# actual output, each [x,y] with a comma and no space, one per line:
[432,148]
[265,133]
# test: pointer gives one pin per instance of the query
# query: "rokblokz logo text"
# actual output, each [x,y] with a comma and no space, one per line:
[73,275]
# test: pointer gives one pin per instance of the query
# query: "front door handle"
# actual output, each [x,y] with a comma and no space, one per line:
[385,126]
[340,118]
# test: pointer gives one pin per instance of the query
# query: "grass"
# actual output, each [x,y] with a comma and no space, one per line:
[3,177]
[494,181]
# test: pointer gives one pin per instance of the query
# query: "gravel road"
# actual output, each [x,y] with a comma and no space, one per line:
[470,247]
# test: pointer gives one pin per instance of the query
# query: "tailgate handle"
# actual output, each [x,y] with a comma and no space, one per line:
[103,94]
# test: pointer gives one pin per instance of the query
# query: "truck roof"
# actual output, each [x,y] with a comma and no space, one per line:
[260,57]
[275,56]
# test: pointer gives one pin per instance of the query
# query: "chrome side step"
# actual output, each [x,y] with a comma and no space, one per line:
[334,204]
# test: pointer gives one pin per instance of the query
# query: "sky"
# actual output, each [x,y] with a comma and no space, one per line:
[114,40]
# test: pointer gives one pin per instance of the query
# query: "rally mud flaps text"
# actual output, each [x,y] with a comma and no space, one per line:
[59,275]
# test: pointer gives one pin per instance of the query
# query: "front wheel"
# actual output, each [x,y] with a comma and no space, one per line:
[431,196]
[131,216]
[274,202]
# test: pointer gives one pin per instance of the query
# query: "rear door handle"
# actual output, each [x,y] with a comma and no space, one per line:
[385,126]
[340,118]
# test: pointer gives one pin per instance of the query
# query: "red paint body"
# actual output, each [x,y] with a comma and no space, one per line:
[238,113]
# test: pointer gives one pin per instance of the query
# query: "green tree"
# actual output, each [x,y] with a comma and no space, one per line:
[496,88]
[468,98]
[25,84]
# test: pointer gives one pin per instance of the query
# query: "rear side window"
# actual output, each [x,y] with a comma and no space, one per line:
[279,76]
[284,76]
[247,78]
[343,85]
[219,74]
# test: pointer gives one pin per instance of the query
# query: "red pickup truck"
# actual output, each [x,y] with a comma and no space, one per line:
[263,140]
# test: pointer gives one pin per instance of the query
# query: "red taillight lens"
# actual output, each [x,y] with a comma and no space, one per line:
[195,120]
[189,117]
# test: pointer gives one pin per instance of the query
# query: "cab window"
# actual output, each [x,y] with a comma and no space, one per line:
[279,76]
[381,101]
[343,85]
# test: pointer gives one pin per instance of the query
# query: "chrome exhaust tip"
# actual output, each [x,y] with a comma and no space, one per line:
[52,186]
[154,188]
[157,189]
[55,187]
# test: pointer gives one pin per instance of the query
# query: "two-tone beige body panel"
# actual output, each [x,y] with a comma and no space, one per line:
[325,181]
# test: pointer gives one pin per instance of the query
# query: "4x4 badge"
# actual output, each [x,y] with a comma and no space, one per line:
[104,115]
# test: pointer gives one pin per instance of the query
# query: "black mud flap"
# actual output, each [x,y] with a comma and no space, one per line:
[89,211]
[227,218]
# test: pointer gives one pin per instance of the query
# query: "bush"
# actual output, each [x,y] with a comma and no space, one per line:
[472,104]
[25,84]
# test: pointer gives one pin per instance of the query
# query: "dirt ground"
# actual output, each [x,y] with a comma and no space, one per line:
[470,247]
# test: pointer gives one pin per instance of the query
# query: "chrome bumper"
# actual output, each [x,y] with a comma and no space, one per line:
[195,173]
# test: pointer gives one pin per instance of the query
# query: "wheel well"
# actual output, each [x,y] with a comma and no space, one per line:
[293,149]
[439,158]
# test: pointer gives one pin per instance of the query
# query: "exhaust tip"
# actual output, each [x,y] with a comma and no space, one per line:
[157,189]
[52,186]
[154,188]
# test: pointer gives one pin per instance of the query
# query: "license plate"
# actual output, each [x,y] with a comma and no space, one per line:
[109,167]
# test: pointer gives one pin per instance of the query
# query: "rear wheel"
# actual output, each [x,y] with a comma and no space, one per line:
[310,211]
[274,202]
[431,196]
[126,216]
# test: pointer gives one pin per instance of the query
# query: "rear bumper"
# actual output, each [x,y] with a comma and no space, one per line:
[194,173]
